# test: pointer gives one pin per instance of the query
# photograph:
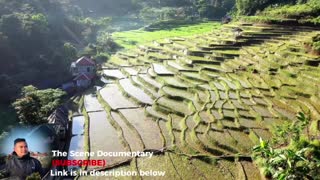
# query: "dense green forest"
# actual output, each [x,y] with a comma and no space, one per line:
[33,48]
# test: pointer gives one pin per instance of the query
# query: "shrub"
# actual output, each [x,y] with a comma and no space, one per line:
[107,43]
[299,160]
[316,46]
[101,57]
[291,163]
[279,8]
[290,131]
[293,11]
[34,176]
[35,105]
[316,42]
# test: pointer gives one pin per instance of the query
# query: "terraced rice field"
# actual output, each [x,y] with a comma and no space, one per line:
[91,103]
[201,103]
[77,139]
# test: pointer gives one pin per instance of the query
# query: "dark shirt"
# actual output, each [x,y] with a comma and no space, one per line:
[20,168]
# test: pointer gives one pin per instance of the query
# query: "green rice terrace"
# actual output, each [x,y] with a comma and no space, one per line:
[201,103]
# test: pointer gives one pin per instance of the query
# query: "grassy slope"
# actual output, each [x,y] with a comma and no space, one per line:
[310,9]
[130,39]
[304,13]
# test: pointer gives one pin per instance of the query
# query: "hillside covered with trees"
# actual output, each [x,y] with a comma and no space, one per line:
[35,45]
[39,39]
[215,88]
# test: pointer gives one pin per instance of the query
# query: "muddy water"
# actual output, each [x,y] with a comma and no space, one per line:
[104,137]
[135,92]
[147,127]
[77,139]
[91,103]
[114,73]
[112,95]
[76,144]
[77,125]
[150,81]
[161,70]
[106,81]
[131,71]
[131,136]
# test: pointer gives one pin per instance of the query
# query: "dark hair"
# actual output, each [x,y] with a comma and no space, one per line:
[19,140]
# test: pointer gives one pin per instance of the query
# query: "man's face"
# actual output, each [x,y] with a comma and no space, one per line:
[21,148]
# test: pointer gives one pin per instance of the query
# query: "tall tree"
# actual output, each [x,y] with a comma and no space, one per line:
[35,105]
